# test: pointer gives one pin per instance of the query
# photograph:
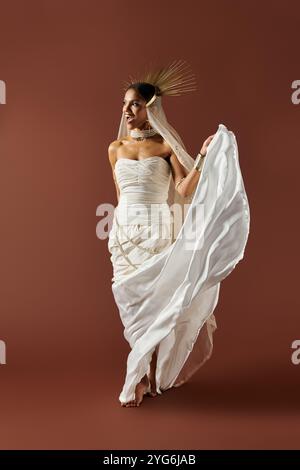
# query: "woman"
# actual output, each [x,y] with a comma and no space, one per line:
[165,297]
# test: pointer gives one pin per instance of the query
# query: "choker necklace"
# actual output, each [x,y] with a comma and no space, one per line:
[140,134]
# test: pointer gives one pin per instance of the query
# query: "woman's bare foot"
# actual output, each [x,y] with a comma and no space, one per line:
[152,392]
[140,391]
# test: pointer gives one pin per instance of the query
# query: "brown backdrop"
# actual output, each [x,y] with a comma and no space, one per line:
[63,63]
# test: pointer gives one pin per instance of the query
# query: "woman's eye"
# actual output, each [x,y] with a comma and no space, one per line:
[135,104]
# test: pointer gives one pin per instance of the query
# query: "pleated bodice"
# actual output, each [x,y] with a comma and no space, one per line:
[143,181]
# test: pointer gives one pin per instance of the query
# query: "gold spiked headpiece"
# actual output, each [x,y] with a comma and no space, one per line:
[174,79]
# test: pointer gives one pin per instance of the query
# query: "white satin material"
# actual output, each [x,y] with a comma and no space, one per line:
[167,299]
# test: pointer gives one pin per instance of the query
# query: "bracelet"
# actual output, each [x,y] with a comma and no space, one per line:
[200,158]
[177,184]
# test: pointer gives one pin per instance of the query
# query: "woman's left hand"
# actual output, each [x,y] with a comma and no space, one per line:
[206,144]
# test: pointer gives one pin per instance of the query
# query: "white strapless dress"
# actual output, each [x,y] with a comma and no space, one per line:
[166,294]
[142,219]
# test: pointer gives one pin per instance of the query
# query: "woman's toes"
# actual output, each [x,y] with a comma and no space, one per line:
[131,403]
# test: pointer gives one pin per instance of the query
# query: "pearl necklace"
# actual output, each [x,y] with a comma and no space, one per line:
[140,134]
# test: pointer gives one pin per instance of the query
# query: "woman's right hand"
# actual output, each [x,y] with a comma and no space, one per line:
[206,144]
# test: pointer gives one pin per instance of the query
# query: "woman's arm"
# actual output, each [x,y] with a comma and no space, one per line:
[183,180]
[185,183]
[112,155]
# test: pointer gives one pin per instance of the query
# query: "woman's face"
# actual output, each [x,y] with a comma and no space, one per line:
[134,108]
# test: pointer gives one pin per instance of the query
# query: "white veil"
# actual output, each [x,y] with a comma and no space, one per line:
[158,121]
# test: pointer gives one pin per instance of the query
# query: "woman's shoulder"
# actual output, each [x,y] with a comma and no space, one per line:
[167,146]
[115,144]
[118,143]
[113,149]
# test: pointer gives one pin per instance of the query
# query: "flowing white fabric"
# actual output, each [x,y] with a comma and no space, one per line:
[166,298]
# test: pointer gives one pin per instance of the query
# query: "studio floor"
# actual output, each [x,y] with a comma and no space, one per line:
[80,410]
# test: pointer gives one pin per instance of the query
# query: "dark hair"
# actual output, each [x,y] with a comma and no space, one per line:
[144,89]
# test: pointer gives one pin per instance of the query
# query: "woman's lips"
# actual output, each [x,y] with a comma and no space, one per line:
[129,119]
